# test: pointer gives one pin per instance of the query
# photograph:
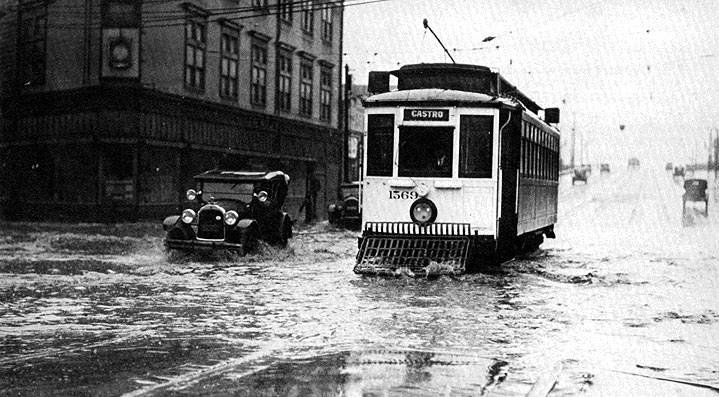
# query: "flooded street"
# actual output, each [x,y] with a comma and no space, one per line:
[625,295]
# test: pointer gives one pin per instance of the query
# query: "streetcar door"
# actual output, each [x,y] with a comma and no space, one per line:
[507,183]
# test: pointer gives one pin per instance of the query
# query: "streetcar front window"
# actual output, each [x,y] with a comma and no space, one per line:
[425,151]
[475,146]
[380,139]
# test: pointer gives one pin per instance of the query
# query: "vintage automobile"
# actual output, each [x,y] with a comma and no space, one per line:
[669,166]
[347,212]
[633,163]
[232,210]
[695,190]
[580,174]
[604,167]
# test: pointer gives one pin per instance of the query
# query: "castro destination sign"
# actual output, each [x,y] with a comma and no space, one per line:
[426,114]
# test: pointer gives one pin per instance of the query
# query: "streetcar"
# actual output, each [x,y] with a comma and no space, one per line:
[461,171]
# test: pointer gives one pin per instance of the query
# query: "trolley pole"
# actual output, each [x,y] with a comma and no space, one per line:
[426,26]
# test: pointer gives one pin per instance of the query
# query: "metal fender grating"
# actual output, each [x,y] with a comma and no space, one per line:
[415,255]
[442,229]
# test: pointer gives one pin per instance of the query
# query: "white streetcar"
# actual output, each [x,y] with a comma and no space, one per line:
[461,171]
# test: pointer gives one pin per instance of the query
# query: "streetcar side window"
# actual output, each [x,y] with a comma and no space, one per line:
[475,146]
[425,151]
[380,132]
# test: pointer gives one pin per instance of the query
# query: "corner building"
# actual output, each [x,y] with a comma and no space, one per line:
[109,107]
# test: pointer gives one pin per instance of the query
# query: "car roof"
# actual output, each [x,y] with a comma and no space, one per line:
[240,175]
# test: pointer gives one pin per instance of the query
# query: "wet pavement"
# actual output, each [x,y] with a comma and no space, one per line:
[623,302]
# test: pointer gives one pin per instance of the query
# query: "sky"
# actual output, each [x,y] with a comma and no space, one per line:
[648,65]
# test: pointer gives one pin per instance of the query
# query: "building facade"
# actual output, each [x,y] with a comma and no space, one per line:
[111,106]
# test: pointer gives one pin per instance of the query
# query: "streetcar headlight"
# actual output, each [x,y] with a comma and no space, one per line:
[423,211]
[263,197]
[188,216]
[191,195]
[231,217]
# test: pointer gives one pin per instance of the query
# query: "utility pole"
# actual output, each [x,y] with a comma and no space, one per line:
[346,122]
[709,153]
[574,141]
[716,154]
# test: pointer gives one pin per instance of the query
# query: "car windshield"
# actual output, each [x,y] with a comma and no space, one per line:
[241,191]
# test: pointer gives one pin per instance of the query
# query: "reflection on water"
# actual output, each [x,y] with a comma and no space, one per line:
[366,373]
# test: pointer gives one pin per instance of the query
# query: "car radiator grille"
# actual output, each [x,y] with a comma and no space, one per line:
[210,225]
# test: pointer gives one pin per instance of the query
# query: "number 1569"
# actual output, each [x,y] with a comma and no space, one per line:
[402,195]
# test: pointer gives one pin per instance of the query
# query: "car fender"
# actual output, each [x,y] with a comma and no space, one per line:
[180,231]
[244,224]
[170,221]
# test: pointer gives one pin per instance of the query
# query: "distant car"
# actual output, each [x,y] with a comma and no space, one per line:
[604,167]
[232,210]
[633,163]
[669,167]
[580,174]
[695,190]
[347,212]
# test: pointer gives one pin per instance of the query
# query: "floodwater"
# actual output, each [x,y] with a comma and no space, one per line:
[623,302]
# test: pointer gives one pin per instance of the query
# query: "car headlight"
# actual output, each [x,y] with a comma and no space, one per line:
[231,217]
[188,216]
[191,195]
[263,197]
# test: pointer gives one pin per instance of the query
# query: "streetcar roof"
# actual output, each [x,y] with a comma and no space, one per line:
[461,77]
[435,95]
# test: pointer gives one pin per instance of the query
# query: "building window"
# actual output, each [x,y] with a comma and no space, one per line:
[258,84]
[33,36]
[195,47]
[229,60]
[259,3]
[286,10]
[325,93]
[284,89]
[306,72]
[327,22]
[308,17]
[121,13]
